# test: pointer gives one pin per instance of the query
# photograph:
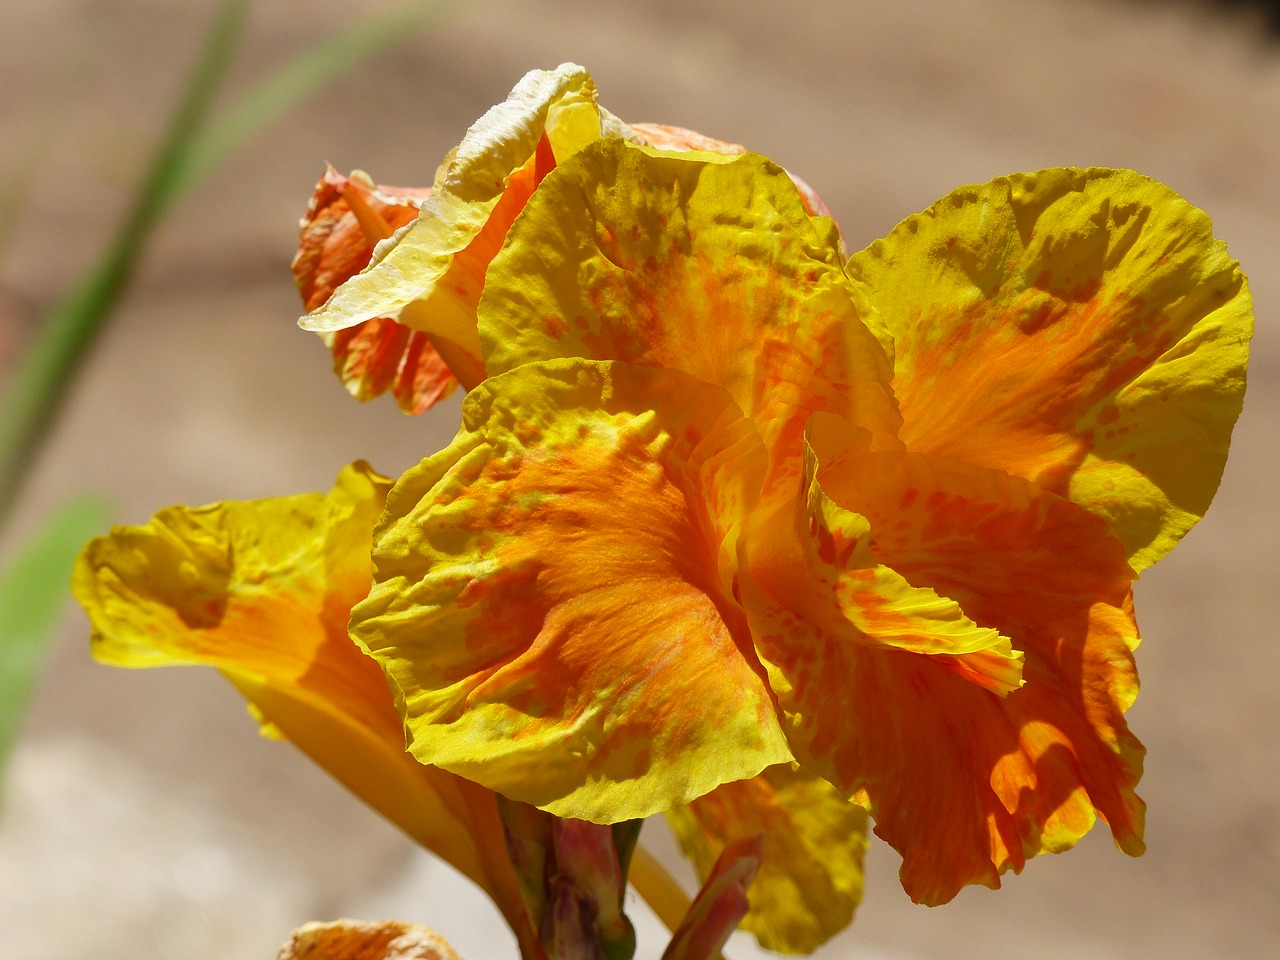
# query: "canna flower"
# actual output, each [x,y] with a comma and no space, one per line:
[727,509]
[392,277]
[262,591]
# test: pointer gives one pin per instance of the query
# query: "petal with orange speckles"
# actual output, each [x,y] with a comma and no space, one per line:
[553,593]
[810,877]
[1080,328]
[963,783]
[262,591]
[345,218]
[695,262]
[665,137]
[429,276]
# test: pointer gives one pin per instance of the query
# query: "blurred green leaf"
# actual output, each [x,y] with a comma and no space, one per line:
[37,391]
[33,594]
[300,78]
[191,149]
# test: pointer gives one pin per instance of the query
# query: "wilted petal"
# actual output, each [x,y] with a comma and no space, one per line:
[366,940]
[1080,328]
[963,783]
[345,218]
[701,263]
[262,590]
[552,593]
[810,877]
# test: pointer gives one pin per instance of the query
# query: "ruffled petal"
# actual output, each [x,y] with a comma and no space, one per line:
[965,784]
[552,593]
[1079,328]
[810,878]
[815,590]
[696,262]
[345,218]
[262,590]
[429,276]
[665,137]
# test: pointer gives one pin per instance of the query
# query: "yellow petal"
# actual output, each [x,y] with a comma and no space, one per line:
[1079,328]
[697,262]
[262,590]
[429,275]
[552,593]
[816,592]
[964,784]
[810,880]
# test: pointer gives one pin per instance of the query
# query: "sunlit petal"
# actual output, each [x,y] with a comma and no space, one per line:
[553,593]
[262,590]
[1080,328]
[430,275]
[965,784]
[696,262]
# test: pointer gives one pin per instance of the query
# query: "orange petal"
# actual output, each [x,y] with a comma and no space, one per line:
[366,940]
[552,593]
[262,590]
[810,877]
[344,220]
[430,276]
[664,137]
[965,784]
[695,262]
[1079,328]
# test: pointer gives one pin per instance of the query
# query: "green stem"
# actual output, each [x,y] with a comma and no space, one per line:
[39,385]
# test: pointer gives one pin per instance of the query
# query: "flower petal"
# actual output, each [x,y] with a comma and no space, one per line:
[696,262]
[1080,328]
[262,590]
[345,218]
[810,877]
[965,784]
[665,137]
[429,276]
[366,940]
[552,598]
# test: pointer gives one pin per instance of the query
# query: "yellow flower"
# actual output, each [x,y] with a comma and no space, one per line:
[262,591]
[401,314]
[732,530]
[721,506]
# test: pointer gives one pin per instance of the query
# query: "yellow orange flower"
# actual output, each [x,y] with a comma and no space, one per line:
[712,513]
[733,529]
[399,310]
[262,591]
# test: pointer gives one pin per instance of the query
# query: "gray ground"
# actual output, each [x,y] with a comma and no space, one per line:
[145,819]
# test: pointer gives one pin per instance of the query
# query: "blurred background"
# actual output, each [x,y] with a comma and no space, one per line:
[144,817]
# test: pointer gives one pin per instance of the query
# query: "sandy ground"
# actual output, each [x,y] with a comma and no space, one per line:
[146,820]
